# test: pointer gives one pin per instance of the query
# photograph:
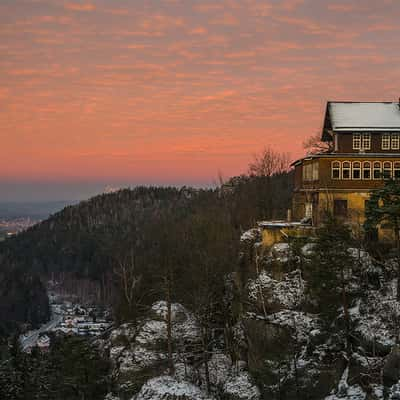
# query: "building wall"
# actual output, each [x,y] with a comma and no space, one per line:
[325,176]
[345,143]
[356,202]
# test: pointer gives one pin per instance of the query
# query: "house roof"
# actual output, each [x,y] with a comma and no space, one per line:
[344,155]
[361,116]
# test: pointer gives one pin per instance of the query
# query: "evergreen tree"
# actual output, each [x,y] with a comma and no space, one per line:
[383,208]
[330,271]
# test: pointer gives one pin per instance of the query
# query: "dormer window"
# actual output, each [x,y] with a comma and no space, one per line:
[361,141]
[366,141]
[356,141]
[386,141]
[395,141]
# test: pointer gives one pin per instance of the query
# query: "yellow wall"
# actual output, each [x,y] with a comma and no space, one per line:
[355,204]
[355,211]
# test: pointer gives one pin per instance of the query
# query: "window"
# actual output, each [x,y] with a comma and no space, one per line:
[346,170]
[340,208]
[315,171]
[356,141]
[310,172]
[377,170]
[366,141]
[386,141]
[308,210]
[395,141]
[387,170]
[306,172]
[366,170]
[356,170]
[336,170]
[396,170]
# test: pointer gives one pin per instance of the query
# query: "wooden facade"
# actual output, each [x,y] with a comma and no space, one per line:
[366,151]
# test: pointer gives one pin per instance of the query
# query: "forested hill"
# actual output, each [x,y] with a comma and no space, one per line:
[149,225]
[79,238]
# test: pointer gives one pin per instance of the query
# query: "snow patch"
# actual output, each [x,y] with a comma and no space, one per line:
[240,387]
[251,235]
[168,388]
[287,293]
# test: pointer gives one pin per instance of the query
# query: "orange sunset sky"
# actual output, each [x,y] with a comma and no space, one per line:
[177,91]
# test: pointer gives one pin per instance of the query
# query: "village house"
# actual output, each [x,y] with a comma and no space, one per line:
[364,151]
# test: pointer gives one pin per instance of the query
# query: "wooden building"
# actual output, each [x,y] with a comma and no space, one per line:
[365,143]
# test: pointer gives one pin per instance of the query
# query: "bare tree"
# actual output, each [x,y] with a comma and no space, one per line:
[268,163]
[129,279]
[314,145]
[168,320]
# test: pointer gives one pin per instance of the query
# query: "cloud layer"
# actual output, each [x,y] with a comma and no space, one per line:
[174,90]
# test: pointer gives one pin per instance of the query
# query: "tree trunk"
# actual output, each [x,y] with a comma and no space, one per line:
[169,326]
[205,359]
[397,238]
[346,314]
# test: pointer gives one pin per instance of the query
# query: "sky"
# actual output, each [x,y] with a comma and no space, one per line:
[124,92]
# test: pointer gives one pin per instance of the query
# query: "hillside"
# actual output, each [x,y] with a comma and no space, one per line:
[94,239]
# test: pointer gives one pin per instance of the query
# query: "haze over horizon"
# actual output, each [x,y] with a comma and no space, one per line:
[97,93]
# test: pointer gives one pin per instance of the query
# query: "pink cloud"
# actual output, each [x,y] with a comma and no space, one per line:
[198,31]
[79,6]
[341,7]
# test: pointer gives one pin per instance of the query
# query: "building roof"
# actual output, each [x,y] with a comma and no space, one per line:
[344,155]
[361,116]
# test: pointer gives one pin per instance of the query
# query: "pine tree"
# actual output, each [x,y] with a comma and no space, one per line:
[383,207]
[330,271]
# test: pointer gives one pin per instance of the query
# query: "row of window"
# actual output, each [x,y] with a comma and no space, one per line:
[365,170]
[389,141]
[361,141]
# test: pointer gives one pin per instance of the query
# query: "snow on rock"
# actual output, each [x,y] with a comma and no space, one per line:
[151,332]
[344,391]
[352,393]
[251,235]
[303,325]
[111,396]
[287,293]
[361,256]
[394,393]
[219,367]
[280,252]
[184,325]
[375,315]
[168,388]
[240,387]
[308,249]
[116,352]
[133,350]
[122,335]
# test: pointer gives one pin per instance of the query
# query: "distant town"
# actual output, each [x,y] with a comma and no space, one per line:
[69,317]
[12,226]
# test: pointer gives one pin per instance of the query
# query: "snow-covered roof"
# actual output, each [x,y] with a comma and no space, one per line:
[381,116]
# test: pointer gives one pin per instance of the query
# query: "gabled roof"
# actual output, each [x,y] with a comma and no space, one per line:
[353,116]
